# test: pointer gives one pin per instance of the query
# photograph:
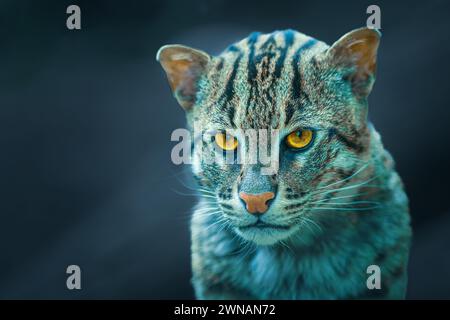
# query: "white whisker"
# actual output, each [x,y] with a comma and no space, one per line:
[346,179]
[348,187]
[345,203]
[343,197]
[344,209]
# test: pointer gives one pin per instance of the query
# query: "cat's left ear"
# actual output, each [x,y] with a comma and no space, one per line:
[356,53]
[184,67]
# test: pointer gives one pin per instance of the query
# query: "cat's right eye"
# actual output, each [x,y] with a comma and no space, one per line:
[225,141]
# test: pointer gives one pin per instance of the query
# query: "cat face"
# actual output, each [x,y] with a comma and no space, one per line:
[307,99]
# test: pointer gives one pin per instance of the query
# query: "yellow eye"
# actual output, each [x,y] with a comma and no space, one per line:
[226,142]
[299,139]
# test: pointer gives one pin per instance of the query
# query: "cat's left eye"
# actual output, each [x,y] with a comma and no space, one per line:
[226,142]
[300,139]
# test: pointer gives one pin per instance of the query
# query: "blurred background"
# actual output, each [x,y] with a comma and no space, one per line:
[86,118]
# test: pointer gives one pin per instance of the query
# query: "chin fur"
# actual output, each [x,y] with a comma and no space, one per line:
[265,237]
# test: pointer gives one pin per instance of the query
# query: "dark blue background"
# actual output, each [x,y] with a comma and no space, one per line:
[86,118]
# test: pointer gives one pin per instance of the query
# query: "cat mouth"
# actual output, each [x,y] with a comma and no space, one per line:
[263,225]
[263,233]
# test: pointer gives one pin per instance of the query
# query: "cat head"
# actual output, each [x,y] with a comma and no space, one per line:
[308,98]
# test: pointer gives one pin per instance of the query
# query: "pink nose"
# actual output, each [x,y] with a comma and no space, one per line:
[256,203]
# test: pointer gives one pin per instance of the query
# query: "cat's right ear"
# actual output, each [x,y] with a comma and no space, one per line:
[184,67]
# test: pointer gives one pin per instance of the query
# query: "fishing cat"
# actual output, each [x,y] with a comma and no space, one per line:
[334,206]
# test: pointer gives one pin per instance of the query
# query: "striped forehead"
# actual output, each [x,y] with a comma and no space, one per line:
[258,80]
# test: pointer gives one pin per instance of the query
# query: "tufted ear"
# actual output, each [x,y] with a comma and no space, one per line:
[356,52]
[184,67]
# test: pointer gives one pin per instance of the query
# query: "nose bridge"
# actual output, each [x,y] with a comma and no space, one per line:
[253,182]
